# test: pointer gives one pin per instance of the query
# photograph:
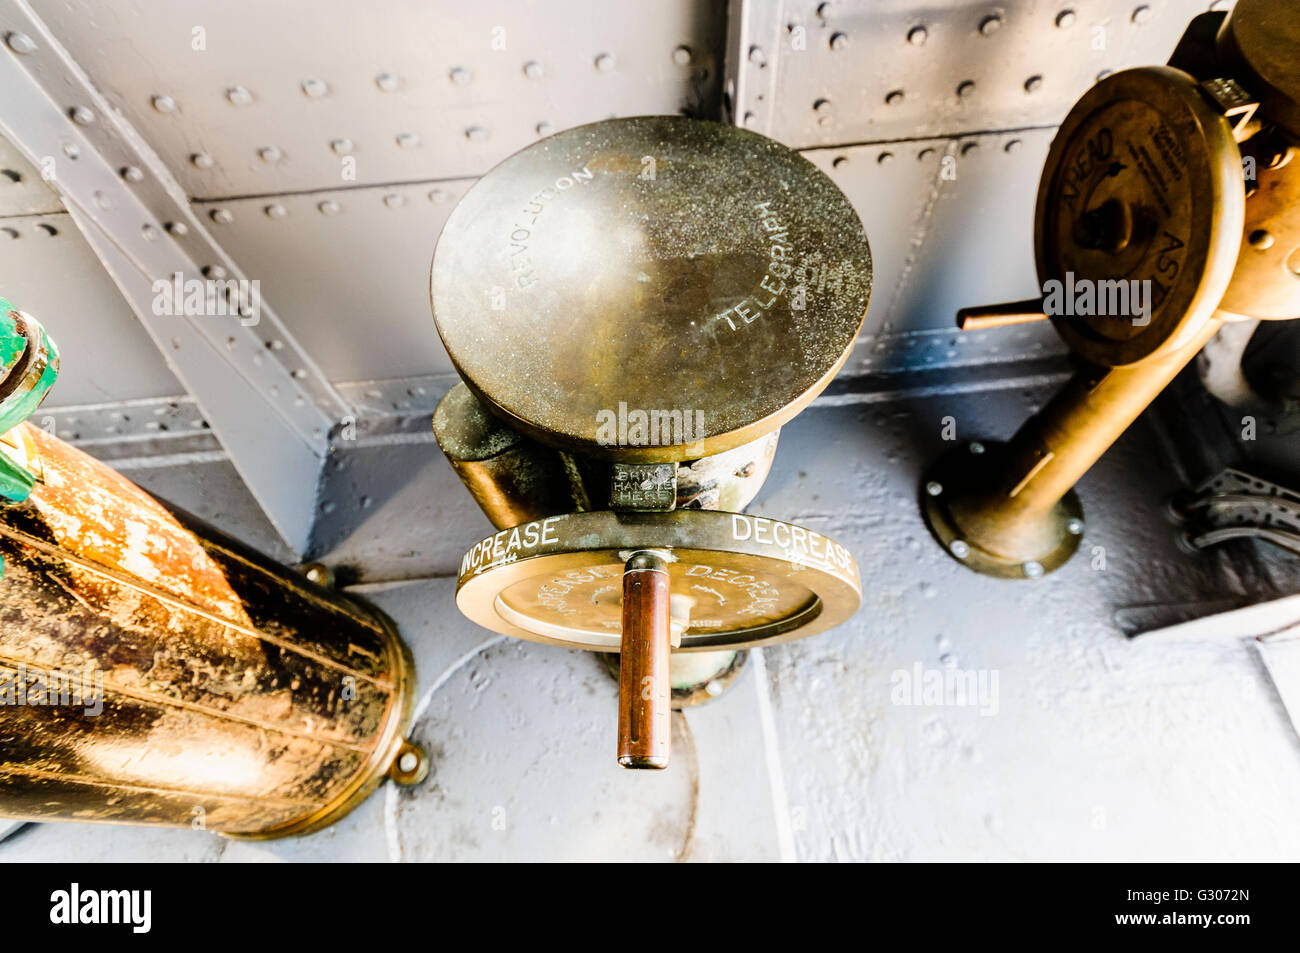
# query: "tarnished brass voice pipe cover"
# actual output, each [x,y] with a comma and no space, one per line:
[153,671]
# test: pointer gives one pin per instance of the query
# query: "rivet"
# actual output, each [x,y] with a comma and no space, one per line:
[918,35]
[1074,527]
[1013,146]
[605,62]
[9,232]
[968,147]
[822,106]
[1293,262]
[177,228]
[1261,239]
[386,81]
[1065,19]
[934,488]
[201,160]
[437,196]
[976,447]
[394,200]
[839,161]
[1033,84]
[407,140]
[533,69]
[925,153]
[270,154]
[149,232]
[71,150]
[682,56]
[163,103]
[545,128]
[238,96]
[1033,569]
[476,134]
[102,201]
[46,229]
[714,688]
[315,88]
[1142,14]
[275,210]
[82,115]
[756,56]
[221,216]
[894,97]
[131,174]
[839,41]
[341,147]
[1103,74]
[959,548]
[20,43]
[824,9]
[329,207]
[751,118]
[966,88]
[214,271]
[990,24]
[885,157]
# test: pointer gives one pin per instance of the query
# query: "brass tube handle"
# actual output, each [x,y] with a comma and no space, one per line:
[644,689]
[1001,315]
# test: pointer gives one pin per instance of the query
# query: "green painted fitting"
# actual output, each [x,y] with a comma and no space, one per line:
[29,365]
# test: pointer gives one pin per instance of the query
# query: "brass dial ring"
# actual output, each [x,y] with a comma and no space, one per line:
[736,580]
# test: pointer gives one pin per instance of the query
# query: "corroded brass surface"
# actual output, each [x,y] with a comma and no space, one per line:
[651,264]
[513,479]
[1143,183]
[736,580]
[1258,43]
[1266,283]
[236,696]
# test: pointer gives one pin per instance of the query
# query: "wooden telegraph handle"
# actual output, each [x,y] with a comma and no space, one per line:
[644,689]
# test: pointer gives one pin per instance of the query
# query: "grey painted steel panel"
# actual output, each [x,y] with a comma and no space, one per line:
[460,79]
[23,191]
[896,71]
[352,285]
[107,356]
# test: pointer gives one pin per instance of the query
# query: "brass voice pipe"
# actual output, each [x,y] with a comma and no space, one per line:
[1054,449]
[644,687]
[153,671]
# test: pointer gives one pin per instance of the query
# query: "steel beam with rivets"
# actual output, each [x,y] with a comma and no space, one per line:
[263,396]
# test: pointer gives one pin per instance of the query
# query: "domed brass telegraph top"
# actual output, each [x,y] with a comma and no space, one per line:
[637,306]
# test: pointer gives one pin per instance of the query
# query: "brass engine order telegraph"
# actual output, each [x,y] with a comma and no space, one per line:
[1169,205]
[636,306]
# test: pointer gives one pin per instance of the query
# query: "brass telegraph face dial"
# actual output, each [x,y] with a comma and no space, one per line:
[652,289]
[1139,219]
[736,580]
